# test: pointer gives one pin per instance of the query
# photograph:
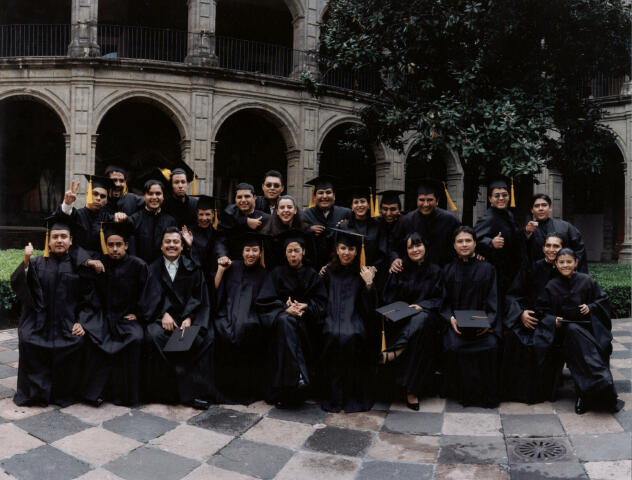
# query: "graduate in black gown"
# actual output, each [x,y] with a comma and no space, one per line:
[542,225]
[322,215]
[58,297]
[582,314]
[177,203]
[499,239]
[529,369]
[179,377]
[471,362]
[246,308]
[148,224]
[302,292]
[272,188]
[434,224]
[390,213]
[349,333]
[414,343]
[120,200]
[112,368]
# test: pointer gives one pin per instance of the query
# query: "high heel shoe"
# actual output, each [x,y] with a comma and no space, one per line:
[580,405]
[413,406]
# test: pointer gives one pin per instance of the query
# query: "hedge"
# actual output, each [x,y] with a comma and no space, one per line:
[615,279]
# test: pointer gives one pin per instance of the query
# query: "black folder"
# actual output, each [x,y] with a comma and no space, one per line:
[182,340]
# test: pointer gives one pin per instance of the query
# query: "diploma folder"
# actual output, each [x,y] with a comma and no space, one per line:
[397,311]
[182,340]
[471,319]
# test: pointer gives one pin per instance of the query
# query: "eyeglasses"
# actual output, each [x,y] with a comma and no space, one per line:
[500,195]
[273,185]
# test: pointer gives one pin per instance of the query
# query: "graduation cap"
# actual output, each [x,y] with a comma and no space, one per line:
[359,191]
[253,239]
[352,239]
[501,183]
[59,221]
[122,229]
[96,181]
[152,177]
[181,169]
[394,312]
[181,340]
[469,321]
[292,235]
[390,197]
[321,182]
[115,168]
[206,202]
[428,186]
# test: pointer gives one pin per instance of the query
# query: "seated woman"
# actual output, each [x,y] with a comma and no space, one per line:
[414,341]
[582,314]
[246,307]
[528,370]
[349,337]
[471,362]
[303,294]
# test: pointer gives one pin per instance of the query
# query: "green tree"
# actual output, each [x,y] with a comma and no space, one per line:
[498,82]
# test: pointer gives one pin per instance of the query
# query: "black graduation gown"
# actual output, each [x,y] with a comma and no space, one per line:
[292,338]
[246,306]
[376,256]
[233,224]
[147,229]
[55,294]
[325,242]
[387,235]
[262,204]
[528,369]
[437,228]
[129,204]
[179,377]
[571,237]
[203,252]
[471,364]
[418,335]
[349,343]
[586,347]
[509,259]
[113,364]
[185,213]
[86,232]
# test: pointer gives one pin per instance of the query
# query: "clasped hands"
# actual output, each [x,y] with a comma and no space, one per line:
[294,308]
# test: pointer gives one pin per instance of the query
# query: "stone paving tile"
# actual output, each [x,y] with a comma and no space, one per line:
[377,470]
[151,464]
[139,425]
[14,441]
[614,362]
[356,421]
[471,424]
[6,392]
[7,356]
[222,420]
[44,462]
[99,474]
[429,405]
[10,382]
[7,371]
[535,425]
[404,448]
[93,415]
[627,398]
[8,334]
[589,423]
[623,386]
[617,470]
[549,471]
[340,441]
[109,446]
[51,426]
[10,411]
[6,476]
[413,423]
[208,472]
[306,413]
[260,407]
[612,446]
[471,472]
[252,458]
[13,364]
[176,413]
[625,420]
[456,449]
[453,406]
[618,347]
[192,442]
[279,432]
[565,405]
[314,466]
[515,408]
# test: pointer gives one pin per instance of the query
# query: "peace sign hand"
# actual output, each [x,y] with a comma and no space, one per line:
[71,195]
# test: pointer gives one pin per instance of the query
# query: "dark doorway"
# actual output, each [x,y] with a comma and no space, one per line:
[42,12]
[145,13]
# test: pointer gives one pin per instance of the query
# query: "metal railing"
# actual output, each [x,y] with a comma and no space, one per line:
[34,40]
[604,86]
[147,43]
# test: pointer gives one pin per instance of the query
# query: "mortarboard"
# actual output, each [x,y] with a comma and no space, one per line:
[182,169]
[292,235]
[206,202]
[429,186]
[321,182]
[359,191]
[394,312]
[115,168]
[351,239]
[469,321]
[151,177]
[390,197]
[122,229]
[253,239]
[181,340]
[59,221]
[502,183]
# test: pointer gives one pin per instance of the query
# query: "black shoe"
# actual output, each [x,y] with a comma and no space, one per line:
[302,384]
[580,406]
[96,403]
[413,406]
[200,404]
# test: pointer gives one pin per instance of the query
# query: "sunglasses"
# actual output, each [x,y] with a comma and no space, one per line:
[273,185]
[501,195]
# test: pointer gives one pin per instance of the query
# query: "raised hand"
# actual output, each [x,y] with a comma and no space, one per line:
[187,235]
[28,253]
[254,223]
[498,241]
[71,195]
[531,226]
[120,217]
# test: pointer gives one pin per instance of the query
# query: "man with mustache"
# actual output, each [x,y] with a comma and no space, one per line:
[120,200]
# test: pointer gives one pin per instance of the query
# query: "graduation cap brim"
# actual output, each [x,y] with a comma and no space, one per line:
[206,202]
[60,222]
[98,181]
[390,196]
[290,236]
[497,183]
[471,319]
[348,237]
[397,311]
[182,340]
[122,229]
[323,182]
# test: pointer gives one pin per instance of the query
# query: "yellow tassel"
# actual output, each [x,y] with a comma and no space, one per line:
[89,198]
[104,247]
[262,258]
[125,189]
[46,251]
[194,184]
[513,195]
[375,212]
[362,256]
[215,219]
[383,336]
[166,173]
[312,200]
[447,196]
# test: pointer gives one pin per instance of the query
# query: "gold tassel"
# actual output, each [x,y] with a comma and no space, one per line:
[166,173]
[262,258]
[89,198]
[215,219]
[46,251]
[383,336]
[104,247]
[125,191]
[447,196]
[194,184]
[362,256]
[312,200]
[375,212]
[513,195]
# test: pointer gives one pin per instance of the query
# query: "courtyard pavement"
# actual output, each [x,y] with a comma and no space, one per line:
[443,441]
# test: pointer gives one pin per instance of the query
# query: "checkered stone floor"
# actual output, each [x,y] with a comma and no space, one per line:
[441,441]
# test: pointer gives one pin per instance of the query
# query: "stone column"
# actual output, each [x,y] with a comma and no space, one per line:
[551,183]
[201,36]
[481,204]
[200,153]
[295,175]
[308,164]
[625,254]
[83,19]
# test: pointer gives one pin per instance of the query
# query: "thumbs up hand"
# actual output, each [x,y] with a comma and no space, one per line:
[498,241]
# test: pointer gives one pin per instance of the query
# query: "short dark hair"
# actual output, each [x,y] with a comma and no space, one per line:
[172,229]
[554,235]
[273,173]
[566,251]
[464,229]
[542,196]
[244,186]
[151,183]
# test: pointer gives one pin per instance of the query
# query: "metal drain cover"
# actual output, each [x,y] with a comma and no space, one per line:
[538,450]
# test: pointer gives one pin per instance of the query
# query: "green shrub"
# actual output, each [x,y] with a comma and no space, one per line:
[616,280]
[9,260]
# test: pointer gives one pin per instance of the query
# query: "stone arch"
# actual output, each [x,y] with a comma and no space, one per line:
[55,104]
[327,127]
[296,8]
